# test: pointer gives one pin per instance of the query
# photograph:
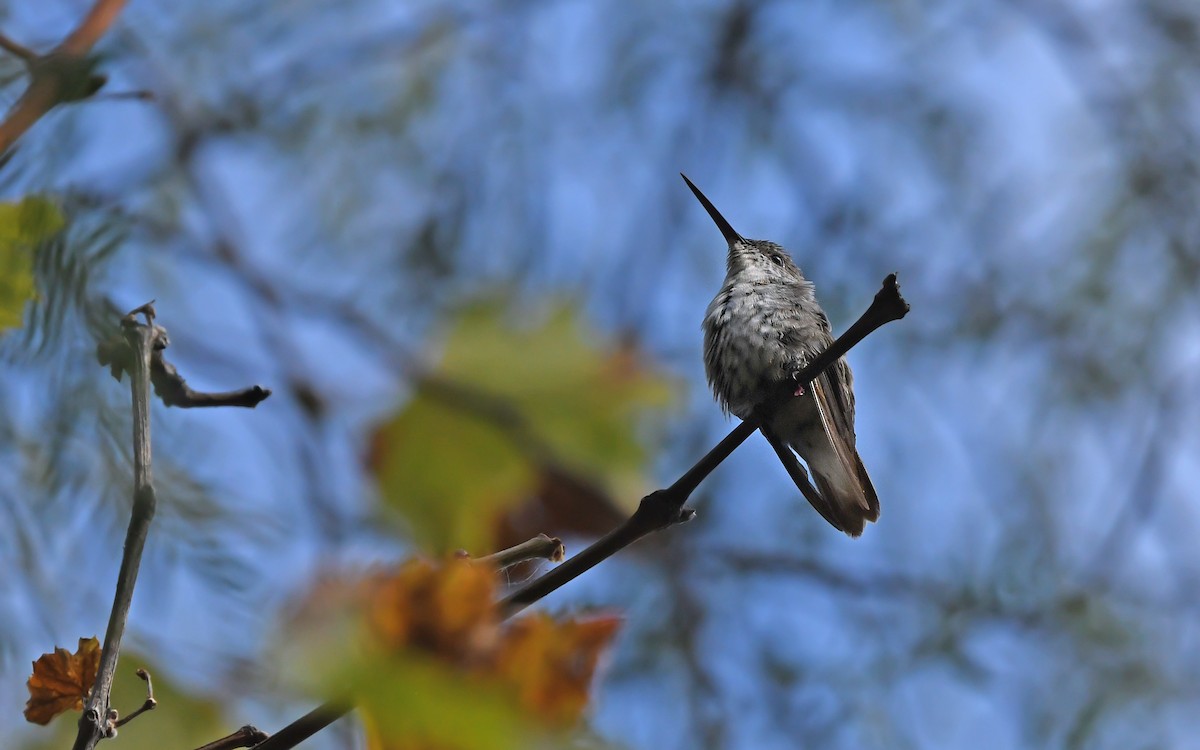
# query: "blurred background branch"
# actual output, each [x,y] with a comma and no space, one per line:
[63,75]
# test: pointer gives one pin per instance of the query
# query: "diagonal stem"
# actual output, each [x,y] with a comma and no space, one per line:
[658,510]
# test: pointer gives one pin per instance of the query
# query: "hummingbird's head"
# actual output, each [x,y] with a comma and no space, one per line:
[759,261]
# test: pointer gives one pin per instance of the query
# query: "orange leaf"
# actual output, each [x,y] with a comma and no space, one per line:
[551,663]
[448,609]
[61,681]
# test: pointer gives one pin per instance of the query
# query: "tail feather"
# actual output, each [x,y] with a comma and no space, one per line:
[868,490]
[836,466]
[844,495]
[799,476]
[851,505]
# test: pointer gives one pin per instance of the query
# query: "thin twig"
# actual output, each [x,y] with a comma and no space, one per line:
[148,705]
[96,724]
[17,50]
[169,385]
[247,736]
[541,547]
[139,95]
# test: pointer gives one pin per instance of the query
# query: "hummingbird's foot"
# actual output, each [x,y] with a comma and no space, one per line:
[799,386]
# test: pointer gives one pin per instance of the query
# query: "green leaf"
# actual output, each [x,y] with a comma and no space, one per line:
[414,702]
[22,227]
[449,473]
[504,402]
[580,394]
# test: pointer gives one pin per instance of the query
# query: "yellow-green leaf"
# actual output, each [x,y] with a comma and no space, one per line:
[578,391]
[505,400]
[413,703]
[22,226]
[449,473]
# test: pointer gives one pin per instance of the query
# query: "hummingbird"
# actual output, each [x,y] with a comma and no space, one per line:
[761,329]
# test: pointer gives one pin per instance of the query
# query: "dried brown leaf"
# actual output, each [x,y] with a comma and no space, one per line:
[61,681]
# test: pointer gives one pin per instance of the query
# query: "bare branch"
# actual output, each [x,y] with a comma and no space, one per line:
[541,547]
[38,99]
[148,705]
[140,95]
[92,27]
[169,385]
[657,511]
[247,736]
[304,727]
[97,721]
[18,50]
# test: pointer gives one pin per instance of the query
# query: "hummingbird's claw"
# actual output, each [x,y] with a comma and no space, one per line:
[799,386]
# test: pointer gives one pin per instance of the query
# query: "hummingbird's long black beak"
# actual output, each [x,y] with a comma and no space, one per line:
[730,235]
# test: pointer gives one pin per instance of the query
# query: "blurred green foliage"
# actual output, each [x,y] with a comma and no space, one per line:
[423,650]
[23,226]
[418,703]
[505,401]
